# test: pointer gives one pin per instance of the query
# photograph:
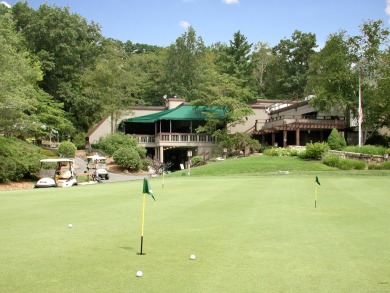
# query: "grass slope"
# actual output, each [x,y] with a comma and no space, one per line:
[249,233]
[257,164]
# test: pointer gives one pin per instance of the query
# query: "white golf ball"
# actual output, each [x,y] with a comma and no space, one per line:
[70,226]
[192,256]
[139,274]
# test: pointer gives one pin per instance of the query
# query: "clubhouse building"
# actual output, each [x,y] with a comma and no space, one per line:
[169,132]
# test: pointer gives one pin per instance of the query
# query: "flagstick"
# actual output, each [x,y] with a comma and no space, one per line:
[142,223]
[315,197]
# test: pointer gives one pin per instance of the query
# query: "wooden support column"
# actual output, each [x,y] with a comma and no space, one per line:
[273,138]
[297,138]
[263,139]
[284,138]
[321,135]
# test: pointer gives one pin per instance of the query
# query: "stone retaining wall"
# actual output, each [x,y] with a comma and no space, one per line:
[364,157]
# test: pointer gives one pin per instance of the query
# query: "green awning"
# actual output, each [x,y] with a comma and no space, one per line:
[183,112]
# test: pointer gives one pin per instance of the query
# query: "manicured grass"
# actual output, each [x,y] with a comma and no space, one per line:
[249,233]
[256,164]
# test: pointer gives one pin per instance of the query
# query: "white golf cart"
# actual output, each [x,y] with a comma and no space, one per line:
[56,173]
[97,165]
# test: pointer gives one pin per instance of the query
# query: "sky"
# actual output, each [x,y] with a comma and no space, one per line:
[161,22]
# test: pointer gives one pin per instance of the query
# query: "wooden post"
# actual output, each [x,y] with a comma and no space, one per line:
[297,138]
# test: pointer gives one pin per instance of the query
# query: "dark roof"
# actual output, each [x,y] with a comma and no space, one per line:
[183,112]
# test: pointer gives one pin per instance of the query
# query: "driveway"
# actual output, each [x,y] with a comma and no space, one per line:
[81,166]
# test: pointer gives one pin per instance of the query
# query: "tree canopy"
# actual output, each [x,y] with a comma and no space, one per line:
[59,72]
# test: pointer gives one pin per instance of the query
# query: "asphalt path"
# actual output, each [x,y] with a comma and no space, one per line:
[81,166]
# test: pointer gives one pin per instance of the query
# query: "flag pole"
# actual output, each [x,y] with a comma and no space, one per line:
[360,115]
[142,223]
[316,190]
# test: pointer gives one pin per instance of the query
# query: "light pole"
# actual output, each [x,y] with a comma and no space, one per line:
[189,155]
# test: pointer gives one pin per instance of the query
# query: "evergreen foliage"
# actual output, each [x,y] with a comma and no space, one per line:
[336,141]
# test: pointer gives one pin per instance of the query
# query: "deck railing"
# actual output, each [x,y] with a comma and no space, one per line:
[173,138]
[285,120]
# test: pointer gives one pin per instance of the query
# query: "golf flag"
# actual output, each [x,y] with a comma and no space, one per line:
[315,192]
[147,188]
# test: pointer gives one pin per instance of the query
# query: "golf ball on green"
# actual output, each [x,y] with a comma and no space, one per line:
[139,274]
[192,256]
[70,226]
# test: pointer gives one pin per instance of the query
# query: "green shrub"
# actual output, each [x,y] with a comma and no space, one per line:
[145,163]
[127,157]
[196,160]
[381,166]
[343,164]
[270,152]
[332,161]
[282,152]
[350,164]
[296,152]
[19,159]
[67,149]
[367,149]
[314,151]
[48,153]
[110,143]
[336,141]
[79,140]
[386,165]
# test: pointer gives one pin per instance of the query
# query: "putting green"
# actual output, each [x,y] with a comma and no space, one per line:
[249,234]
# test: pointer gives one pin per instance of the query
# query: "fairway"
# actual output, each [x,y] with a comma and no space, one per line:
[249,234]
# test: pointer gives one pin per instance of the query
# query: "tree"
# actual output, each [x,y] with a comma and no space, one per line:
[238,56]
[261,58]
[65,45]
[377,112]
[113,85]
[336,141]
[185,66]
[19,74]
[371,57]
[336,70]
[331,79]
[25,109]
[287,74]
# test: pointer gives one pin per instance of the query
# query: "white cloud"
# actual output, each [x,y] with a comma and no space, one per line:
[235,1]
[6,4]
[387,9]
[185,24]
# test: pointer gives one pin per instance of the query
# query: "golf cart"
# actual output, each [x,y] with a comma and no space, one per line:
[56,173]
[97,165]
